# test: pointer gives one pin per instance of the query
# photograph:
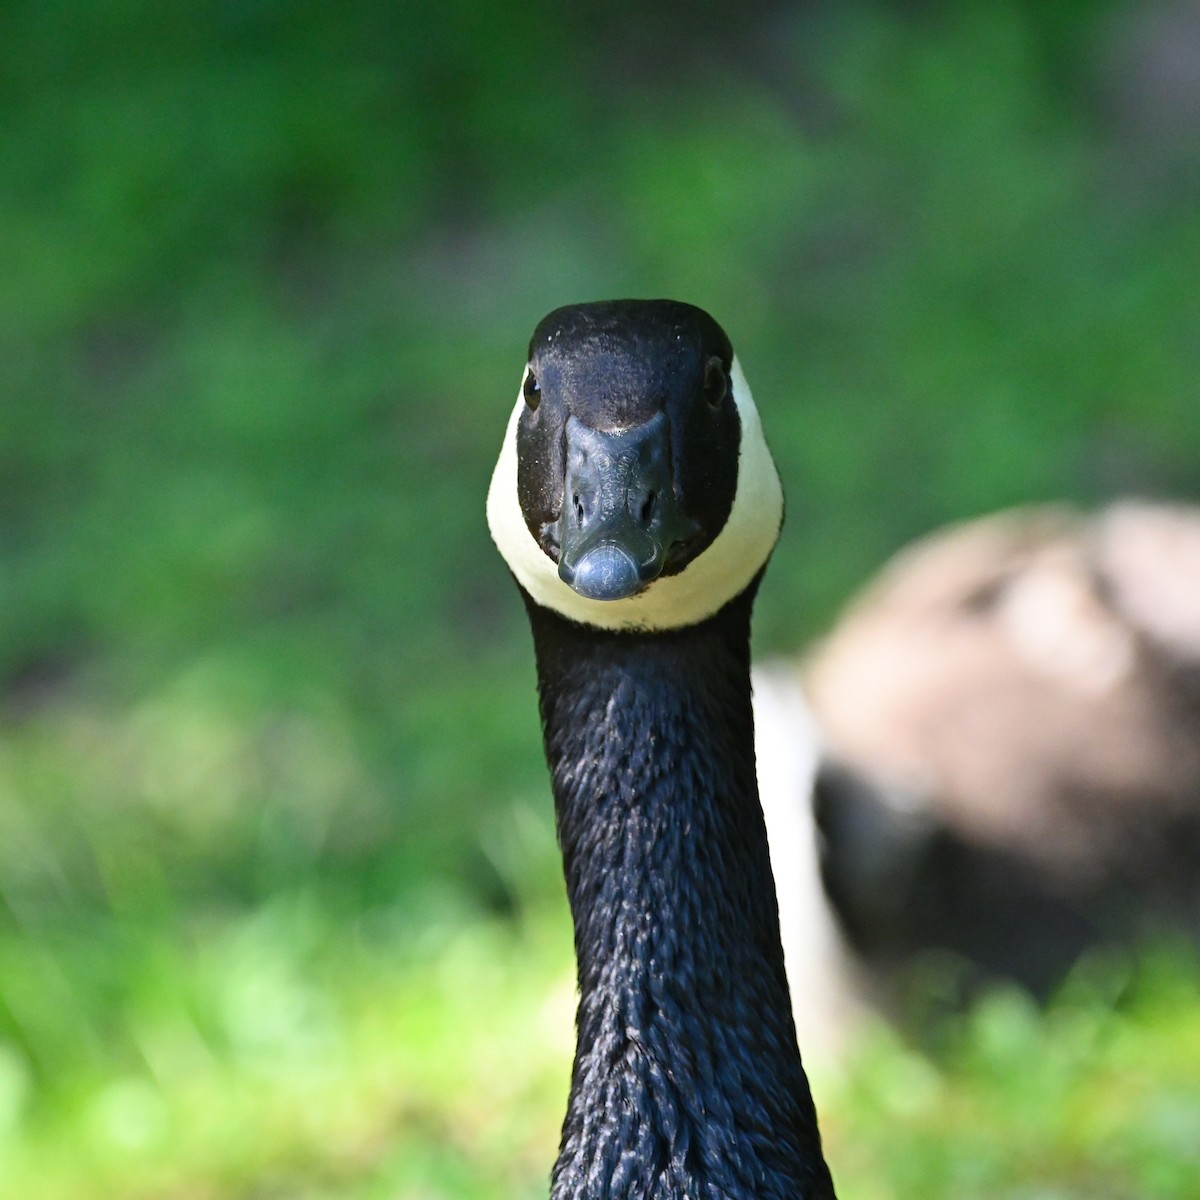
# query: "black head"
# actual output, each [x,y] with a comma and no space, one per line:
[630,450]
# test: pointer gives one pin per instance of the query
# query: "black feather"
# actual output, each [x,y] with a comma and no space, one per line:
[687,1082]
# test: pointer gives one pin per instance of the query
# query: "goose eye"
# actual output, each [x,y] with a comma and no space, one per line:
[531,389]
[715,383]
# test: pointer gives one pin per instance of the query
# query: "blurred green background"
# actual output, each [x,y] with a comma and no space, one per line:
[280,913]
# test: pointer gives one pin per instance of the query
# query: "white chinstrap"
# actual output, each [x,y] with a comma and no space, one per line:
[707,583]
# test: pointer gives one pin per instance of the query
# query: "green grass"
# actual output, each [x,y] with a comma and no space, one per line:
[295,1053]
[279,905]
[287,1054]
[1095,1097]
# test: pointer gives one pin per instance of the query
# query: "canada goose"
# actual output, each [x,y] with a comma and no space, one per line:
[636,503]
[1011,719]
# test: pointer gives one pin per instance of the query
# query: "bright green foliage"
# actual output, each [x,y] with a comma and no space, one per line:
[1096,1098]
[279,905]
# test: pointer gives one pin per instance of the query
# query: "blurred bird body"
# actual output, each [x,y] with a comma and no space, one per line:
[1009,725]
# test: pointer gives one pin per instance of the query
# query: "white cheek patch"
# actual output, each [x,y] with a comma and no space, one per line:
[705,585]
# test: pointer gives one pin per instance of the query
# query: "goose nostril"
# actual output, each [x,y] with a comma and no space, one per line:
[648,507]
[577,504]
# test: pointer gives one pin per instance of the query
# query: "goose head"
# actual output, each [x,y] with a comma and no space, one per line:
[634,489]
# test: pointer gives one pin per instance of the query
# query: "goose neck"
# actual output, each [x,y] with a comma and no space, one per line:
[687,1080]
